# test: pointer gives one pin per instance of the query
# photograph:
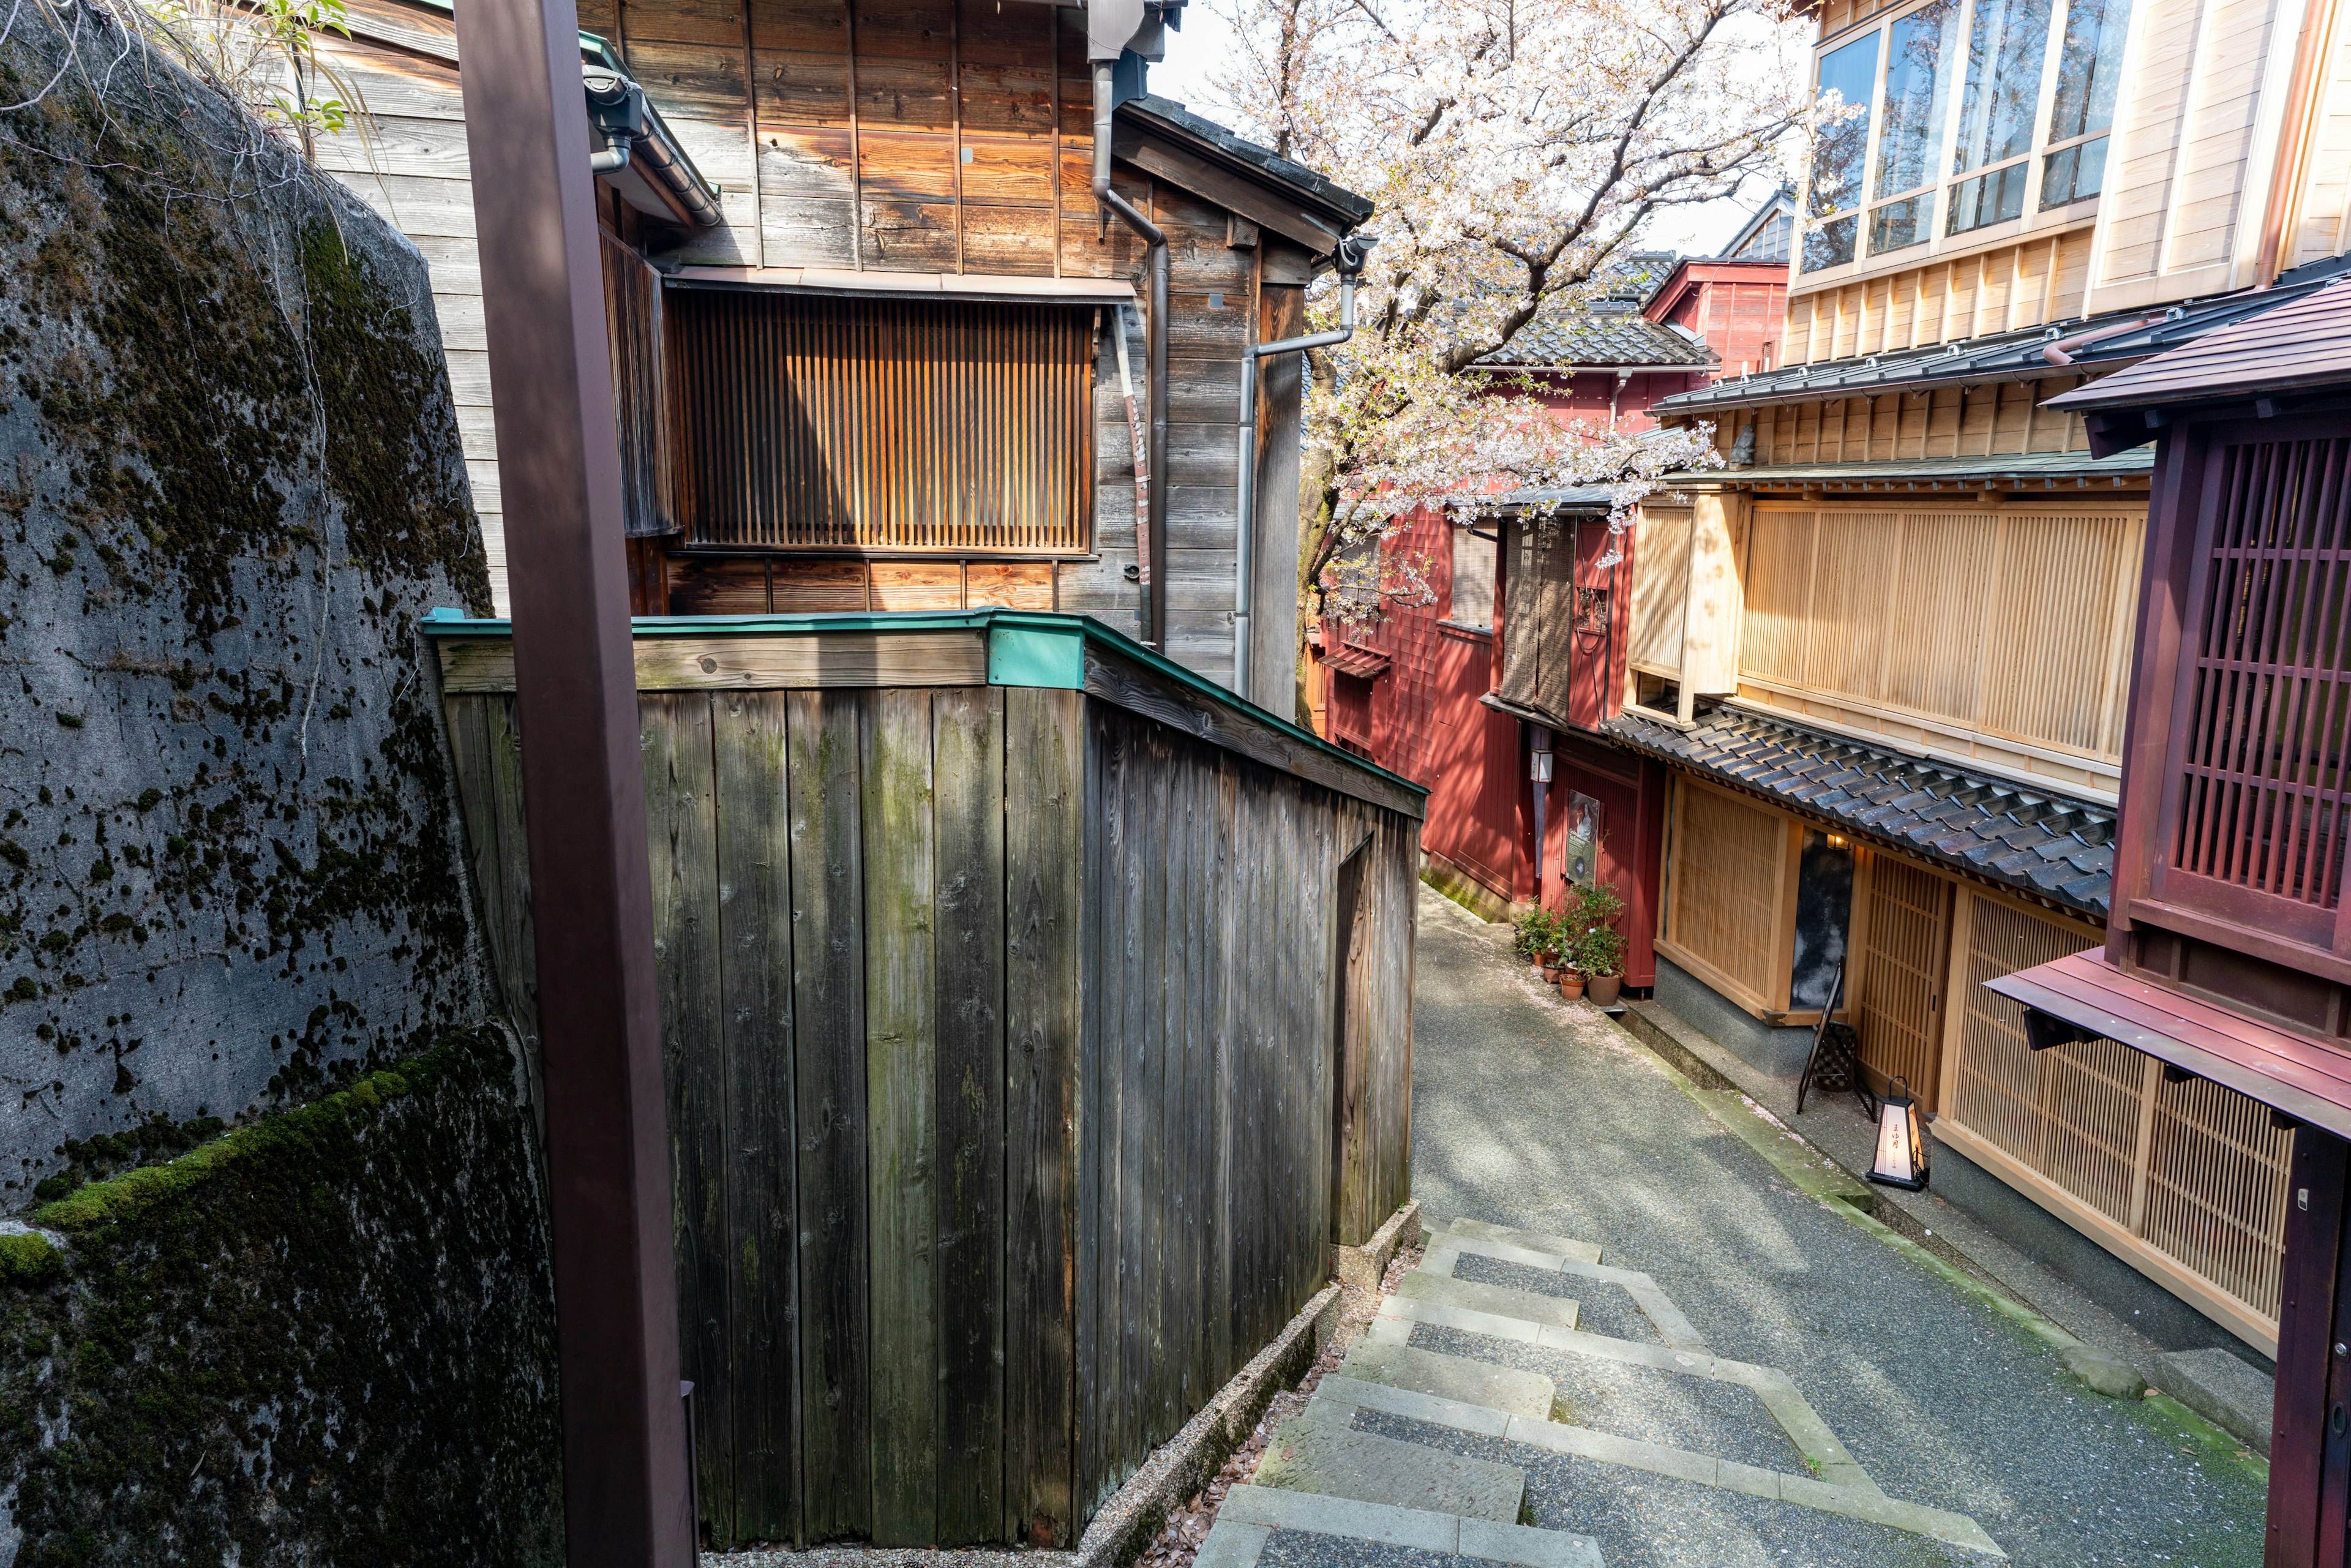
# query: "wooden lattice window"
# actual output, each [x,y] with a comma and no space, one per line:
[2253,826]
[1729,895]
[2186,1179]
[815,423]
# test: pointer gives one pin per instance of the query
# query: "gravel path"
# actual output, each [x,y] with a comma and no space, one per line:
[1534,1112]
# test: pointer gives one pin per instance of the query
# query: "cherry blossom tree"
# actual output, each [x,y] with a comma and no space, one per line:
[1516,149]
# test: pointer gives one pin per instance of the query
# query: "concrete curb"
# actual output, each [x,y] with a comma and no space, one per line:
[1365,1266]
[1125,1525]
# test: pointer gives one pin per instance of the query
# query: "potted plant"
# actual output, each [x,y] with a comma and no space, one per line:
[1571,981]
[1597,947]
[1536,938]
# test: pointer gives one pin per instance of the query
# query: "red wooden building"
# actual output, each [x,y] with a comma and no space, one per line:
[2228,954]
[1455,694]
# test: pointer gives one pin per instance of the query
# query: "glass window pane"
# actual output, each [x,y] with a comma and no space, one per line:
[1830,244]
[2089,68]
[1917,90]
[2005,45]
[1850,73]
[2074,175]
[1987,199]
[1900,224]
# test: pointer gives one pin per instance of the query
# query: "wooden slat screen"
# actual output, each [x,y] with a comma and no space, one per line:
[1900,973]
[1727,861]
[2009,622]
[2189,1177]
[1661,546]
[817,423]
[1538,632]
[2258,799]
[632,329]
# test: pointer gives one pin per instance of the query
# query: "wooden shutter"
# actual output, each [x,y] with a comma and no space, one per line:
[2251,826]
[807,421]
[1661,547]
[1538,638]
[633,331]
[1730,895]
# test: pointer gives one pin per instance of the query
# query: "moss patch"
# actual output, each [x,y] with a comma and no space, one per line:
[328,1336]
[26,1258]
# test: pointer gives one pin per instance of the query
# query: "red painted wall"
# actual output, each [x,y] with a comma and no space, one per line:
[1421,716]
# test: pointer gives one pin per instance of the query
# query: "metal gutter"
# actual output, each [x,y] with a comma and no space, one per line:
[1153,555]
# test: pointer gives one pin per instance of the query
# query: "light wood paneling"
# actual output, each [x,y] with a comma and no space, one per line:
[2185,1180]
[2010,621]
[1897,980]
[1660,588]
[1729,897]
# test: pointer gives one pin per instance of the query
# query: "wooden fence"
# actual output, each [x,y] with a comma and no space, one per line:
[1035,1017]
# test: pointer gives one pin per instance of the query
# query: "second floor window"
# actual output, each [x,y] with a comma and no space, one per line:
[1947,141]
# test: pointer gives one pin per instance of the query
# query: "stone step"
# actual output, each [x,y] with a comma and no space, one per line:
[1319,1451]
[1250,1515]
[1533,1240]
[1503,1388]
[1500,1299]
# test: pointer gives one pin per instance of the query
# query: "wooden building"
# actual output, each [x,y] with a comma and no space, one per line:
[1036,1017]
[2224,968]
[1883,653]
[888,352]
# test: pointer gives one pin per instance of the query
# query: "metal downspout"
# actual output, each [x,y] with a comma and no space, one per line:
[1351,255]
[1152,557]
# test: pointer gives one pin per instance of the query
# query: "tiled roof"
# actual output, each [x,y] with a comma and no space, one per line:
[2120,337]
[2046,843]
[1173,115]
[1351,660]
[1607,332]
[2072,470]
[2304,343]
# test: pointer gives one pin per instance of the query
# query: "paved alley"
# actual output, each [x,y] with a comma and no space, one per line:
[1709,1341]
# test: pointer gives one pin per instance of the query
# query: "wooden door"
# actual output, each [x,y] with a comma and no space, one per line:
[1904,956]
[2310,1438]
[1348,1107]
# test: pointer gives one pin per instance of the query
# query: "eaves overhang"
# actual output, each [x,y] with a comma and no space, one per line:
[1168,141]
[2049,470]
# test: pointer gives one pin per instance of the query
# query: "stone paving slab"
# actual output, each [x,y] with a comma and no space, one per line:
[1445,1253]
[1559,1246]
[1262,1506]
[1319,1451]
[1501,1299]
[1449,1378]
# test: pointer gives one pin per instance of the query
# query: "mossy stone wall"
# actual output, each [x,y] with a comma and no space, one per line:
[326,1337]
[230,481]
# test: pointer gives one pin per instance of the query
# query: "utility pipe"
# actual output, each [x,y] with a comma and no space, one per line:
[1151,556]
[1352,253]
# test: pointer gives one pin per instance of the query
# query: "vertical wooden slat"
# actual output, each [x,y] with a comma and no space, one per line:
[682,837]
[1047,852]
[901,1088]
[829,1005]
[756,1015]
[968,744]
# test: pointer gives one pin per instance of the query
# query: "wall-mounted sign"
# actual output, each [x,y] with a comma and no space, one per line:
[1582,856]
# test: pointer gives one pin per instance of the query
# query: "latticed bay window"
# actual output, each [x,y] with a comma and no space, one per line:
[813,423]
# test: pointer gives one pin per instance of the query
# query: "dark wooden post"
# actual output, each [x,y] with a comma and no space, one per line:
[625,1490]
[2306,1460]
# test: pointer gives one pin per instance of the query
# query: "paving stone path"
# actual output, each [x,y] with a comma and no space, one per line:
[1666,1349]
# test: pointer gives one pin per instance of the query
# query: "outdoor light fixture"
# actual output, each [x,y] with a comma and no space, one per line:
[1901,1140]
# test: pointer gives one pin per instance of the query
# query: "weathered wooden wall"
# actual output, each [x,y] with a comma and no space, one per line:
[1013,1099]
[1211,1067]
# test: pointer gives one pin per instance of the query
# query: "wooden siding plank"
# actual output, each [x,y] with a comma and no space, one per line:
[955,658]
[1045,892]
[901,1086]
[968,745]
[829,1005]
[756,1013]
[682,837]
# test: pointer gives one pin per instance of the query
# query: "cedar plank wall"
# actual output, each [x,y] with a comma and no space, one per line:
[864,119]
[1017,977]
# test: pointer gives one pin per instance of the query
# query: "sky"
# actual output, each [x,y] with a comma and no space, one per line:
[1205,39]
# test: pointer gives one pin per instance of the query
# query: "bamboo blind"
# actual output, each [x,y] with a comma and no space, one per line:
[633,332]
[2013,622]
[2192,1171]
[1660,588]
[2260,795]
[1729,858]
[1901,971]
[883,425]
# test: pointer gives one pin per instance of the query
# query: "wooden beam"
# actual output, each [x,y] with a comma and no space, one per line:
[1227,190]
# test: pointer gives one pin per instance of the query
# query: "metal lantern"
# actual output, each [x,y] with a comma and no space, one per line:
[1901,1140]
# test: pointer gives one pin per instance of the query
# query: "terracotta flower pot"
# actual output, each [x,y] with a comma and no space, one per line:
[1571,984]
[1550,974]
[1605,988]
